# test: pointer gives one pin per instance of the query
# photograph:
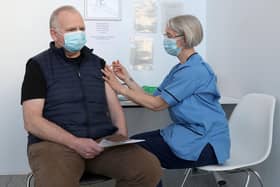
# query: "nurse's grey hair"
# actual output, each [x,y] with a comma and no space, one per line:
[53,19]
[189,26]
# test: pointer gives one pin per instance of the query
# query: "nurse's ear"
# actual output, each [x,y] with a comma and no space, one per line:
[181,43]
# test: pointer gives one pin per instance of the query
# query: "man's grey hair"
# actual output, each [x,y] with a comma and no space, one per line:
[189,26]
[53,19]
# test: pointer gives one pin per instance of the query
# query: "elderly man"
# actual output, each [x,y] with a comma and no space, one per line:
[68,108]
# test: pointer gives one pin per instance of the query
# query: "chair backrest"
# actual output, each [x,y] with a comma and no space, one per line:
[251,127]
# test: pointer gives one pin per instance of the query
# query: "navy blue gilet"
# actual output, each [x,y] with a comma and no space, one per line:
[76,99]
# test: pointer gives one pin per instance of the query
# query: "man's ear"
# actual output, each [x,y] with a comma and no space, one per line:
[53,34]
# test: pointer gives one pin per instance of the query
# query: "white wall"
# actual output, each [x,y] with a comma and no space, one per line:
[24,33]
[125,32]
[243,46]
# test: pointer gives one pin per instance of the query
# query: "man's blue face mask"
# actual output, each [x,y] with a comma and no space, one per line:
[170,46]
[74,41]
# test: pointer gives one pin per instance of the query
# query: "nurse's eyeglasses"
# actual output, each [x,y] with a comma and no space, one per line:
[166,35]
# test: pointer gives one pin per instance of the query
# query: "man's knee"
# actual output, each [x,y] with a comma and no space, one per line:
[57,175]
[146,170]
[152,170]
[54,165]
[46,177]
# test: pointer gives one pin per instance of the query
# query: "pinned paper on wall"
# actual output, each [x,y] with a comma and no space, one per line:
[145,16]
[103,9]
[103,31]
[141,53]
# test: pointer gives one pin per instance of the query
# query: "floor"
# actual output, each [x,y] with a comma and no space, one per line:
[170,180]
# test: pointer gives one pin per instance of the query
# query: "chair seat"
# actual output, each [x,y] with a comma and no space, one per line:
[88,178]
[236,161]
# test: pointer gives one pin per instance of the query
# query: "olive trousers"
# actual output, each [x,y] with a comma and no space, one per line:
[55,165]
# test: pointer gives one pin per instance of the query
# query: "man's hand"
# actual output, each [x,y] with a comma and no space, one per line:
[87,148]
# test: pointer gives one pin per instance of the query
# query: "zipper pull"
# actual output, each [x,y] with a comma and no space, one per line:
[79,74]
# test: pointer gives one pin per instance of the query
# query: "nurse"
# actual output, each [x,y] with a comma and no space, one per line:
[199,133]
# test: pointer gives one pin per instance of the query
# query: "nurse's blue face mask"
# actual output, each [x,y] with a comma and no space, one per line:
[170,45]
[74,41]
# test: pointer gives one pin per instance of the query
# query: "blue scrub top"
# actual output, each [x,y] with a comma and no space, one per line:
[198,118]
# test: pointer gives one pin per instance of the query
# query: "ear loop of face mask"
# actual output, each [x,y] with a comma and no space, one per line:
[59,33]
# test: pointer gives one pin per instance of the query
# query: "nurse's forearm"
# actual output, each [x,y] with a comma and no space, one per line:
[133,85]
[154,103]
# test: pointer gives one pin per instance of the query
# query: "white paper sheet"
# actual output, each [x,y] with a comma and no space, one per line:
[108,143]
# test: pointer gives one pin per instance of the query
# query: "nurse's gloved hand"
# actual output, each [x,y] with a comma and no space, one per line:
[120,71]
[111,79]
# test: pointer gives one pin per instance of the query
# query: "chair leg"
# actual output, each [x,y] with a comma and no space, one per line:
[257,175]
[247,178]
[219,179]
[28,180]
[186,175]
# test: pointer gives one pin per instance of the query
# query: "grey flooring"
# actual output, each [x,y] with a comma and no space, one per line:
[171,178]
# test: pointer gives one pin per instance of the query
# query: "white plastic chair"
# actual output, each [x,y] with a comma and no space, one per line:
[251,129]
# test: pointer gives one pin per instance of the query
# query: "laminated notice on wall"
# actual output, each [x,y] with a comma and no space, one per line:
[145,16]
[141,53]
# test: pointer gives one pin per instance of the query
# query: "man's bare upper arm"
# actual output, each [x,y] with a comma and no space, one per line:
[112,99]
[33,107]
